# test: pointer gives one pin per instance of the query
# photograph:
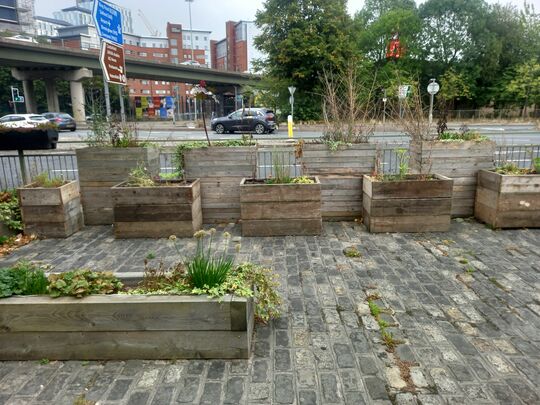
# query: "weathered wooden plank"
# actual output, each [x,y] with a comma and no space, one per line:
[156,212]
[283,227]
[51,213]
[152,345]
[152,195]
[280,210]
[117,313]
[152,229]
[64,229]
[525,184]
[407,207]
[280,192]
[420,223]
[440,187]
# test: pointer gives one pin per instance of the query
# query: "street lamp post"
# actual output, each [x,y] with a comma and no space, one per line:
[433,88]
[292,89]
[192,47]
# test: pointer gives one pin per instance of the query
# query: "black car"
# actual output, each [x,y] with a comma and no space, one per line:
[62,120]
[258,120]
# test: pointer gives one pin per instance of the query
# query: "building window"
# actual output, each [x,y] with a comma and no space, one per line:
[174,52]
[143,44]
[206,38]
[175,29]
[146,92]
[173,42]
[144,82]
[196,37]
[156,82]
[174,60]
[143,54]
[132,91]
[158,55]
[196,46]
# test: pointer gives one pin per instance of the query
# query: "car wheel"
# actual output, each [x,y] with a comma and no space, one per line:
[220,129]
[260,129]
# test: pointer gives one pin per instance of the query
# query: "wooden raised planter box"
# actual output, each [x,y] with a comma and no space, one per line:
[508,201]
[122,327]
[51,212]
[280,209]
[411,205]
[157,212]
[100,168]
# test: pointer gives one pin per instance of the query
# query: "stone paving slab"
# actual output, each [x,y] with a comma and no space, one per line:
[464,306]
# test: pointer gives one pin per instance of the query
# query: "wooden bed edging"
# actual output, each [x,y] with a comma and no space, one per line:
[121,327]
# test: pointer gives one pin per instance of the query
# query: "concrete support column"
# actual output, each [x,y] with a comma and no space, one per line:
[52,95]
[221,105]
[29,97]
[77,101]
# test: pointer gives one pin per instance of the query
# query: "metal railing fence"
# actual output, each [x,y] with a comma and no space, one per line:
[65,164]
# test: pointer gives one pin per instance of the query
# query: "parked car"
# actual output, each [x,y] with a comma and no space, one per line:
[258,120]
[22,120]
[64,121]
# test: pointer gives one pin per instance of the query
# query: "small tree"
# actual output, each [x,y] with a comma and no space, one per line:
[525,85]
[201,93]
[348,105]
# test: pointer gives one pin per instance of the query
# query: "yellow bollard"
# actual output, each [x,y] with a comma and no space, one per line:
[290,125]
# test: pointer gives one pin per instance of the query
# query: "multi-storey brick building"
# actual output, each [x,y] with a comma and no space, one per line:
[236,51]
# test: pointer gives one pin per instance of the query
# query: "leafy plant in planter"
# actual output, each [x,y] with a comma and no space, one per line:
[10,212]
[23,278]
[536,164]
[214,274]
[80,283]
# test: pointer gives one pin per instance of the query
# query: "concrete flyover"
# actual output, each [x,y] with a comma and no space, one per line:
[31,62]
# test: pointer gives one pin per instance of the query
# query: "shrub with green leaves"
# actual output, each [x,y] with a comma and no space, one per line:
[24,278]
[10,212]
[79,283]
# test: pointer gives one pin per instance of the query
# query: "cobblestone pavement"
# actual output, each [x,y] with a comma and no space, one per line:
[464,307]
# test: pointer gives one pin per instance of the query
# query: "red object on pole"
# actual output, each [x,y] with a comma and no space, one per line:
[394,47]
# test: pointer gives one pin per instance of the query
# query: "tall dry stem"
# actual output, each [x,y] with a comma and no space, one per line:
[348,106]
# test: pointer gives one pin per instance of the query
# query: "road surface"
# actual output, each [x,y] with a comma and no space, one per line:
[514,134]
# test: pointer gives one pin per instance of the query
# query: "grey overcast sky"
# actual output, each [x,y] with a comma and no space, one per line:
[206,14]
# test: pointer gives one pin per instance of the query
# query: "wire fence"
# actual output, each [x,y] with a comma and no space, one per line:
[65,164]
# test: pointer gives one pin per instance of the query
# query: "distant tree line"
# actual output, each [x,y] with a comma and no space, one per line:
[482,55]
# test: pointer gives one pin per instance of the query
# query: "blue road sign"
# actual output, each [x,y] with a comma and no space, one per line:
[108,22]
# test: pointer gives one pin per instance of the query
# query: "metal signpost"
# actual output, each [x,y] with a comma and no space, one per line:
[16,98]
[432,88]
[108,21]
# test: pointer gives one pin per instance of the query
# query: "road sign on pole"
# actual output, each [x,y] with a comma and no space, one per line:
[403,91]
[113,63]
[108,21]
